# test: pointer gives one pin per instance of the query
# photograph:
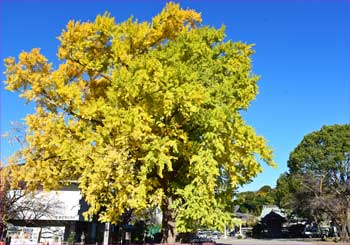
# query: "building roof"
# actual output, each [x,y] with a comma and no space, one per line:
[271,208]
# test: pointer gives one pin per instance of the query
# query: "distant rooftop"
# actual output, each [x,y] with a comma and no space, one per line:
[271,208]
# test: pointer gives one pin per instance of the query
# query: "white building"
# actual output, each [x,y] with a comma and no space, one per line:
[53,217]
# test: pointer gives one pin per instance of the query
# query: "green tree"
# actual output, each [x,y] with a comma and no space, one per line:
[253,202]
[284,191]
[142,115]
[321,165]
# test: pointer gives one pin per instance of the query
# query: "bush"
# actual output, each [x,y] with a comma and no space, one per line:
[71,238]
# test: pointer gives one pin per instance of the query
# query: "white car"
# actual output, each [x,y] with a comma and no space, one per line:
[215,236]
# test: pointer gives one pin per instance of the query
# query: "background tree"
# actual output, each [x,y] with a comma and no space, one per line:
[285,190]
[16,204]
[321,165]
[142,115]
[8,199]
[253,202]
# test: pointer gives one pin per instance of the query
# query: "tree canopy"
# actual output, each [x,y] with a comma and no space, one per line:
[284,191]
[142,114]
[253,201]
[319,176]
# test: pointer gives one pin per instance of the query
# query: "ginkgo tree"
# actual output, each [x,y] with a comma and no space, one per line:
[142,115]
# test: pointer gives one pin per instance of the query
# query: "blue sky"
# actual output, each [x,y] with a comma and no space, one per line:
[302,55]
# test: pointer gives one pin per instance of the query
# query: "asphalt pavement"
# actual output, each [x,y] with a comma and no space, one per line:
[230,240]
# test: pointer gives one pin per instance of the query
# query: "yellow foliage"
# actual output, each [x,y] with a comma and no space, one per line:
[140,112]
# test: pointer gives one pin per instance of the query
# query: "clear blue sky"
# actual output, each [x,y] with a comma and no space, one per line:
[302,54]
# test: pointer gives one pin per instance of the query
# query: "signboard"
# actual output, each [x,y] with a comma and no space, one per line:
[58,205]
[51,235]
[23,235]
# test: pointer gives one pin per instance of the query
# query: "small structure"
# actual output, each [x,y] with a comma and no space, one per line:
[270,224]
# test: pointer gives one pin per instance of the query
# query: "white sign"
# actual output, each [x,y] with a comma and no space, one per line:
[23,235]
[53,205]
[52,235]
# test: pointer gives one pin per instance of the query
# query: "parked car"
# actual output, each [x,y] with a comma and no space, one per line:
[202,240]
[202,234]
[215,236]
[296,230]
[312,232]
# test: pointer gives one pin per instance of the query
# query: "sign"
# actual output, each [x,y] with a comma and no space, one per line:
[52,235]
[23,235]
[59,205]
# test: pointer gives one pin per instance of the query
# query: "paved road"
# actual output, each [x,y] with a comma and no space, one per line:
[230,240]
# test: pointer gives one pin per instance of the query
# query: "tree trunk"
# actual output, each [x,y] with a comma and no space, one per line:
[1,230]
[348,221]
[345,225]
[168,222]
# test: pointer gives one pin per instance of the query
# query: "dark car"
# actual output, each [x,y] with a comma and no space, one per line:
[202,240]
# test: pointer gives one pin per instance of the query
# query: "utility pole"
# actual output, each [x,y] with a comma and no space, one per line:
[225,232]
[106,235]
